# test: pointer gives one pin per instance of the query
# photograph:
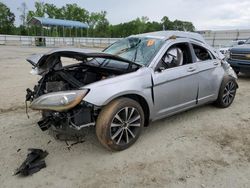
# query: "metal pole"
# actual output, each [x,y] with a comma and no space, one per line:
[63,34]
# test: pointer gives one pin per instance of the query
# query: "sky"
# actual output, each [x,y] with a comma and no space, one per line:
[204,14]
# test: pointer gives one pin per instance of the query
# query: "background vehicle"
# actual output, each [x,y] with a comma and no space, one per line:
[226,49]
[136,80]
[239,57]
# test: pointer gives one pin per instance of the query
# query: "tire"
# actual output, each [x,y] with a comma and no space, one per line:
[119,124]
[227,92]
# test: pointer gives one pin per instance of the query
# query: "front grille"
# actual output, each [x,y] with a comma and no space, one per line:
[238,56]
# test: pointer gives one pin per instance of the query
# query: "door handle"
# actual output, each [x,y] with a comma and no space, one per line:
[191,69]
[216,63]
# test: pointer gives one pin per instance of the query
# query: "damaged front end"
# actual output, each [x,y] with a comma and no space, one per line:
[64,111]
[59,94]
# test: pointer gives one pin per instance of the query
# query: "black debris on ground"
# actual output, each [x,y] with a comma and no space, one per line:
[33,163]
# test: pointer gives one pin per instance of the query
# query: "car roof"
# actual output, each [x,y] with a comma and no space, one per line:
[164,35]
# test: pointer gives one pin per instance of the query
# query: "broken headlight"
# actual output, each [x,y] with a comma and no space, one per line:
[59,101]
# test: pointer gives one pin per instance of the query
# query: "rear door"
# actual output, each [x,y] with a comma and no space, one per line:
[209,69]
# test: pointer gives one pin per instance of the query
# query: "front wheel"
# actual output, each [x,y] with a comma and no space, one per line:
[119,124]
[227,92]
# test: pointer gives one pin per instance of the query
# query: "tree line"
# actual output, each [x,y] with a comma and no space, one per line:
[98,23]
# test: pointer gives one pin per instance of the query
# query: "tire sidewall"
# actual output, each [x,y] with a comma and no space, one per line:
[225,81]
[105,119]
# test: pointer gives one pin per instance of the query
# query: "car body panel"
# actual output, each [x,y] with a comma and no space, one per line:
[138,83]
[174,91]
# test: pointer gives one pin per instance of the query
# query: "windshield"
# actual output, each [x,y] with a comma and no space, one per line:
[138,50]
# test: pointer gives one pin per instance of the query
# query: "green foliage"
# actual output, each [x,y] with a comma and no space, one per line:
[7,19]
[99,25]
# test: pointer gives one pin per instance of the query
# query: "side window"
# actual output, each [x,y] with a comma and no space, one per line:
[177,55]
[202,54]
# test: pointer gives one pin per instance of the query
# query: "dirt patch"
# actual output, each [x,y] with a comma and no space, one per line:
[238,140]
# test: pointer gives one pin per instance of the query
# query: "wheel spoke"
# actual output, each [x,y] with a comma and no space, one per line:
[120,137]
[126,113]
[127,138]
[117,133]
[231,85]
[131,113]
[225,99]
[225,90]
[224,96]
[232,91]
[115,125]
[132,134]
[118,118]
[228,100]
[135,125]
[134,119]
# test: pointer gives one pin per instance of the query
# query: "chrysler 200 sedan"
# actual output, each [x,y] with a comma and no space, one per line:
[136,80]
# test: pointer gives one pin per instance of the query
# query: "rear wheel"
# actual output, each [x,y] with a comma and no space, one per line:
[119,124]
[227,93]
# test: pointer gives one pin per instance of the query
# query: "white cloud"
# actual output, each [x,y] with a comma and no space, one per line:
[205,14]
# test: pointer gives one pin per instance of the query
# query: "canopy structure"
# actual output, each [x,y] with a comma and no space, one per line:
[56,22]
[57,27]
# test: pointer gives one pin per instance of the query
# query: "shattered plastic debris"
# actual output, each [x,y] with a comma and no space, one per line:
[33,163]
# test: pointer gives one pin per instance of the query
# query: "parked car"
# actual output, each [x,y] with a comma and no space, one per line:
[239,57]
[225,50]
[138,79]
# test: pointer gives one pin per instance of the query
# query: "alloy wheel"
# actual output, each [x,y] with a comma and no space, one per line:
[125,125]
[229,93]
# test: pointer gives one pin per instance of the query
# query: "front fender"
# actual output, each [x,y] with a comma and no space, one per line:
[139,83]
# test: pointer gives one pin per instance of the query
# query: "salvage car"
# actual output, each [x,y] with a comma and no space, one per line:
[136,80]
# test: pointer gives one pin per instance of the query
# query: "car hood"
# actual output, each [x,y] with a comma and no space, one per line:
[245,48]
[39,60]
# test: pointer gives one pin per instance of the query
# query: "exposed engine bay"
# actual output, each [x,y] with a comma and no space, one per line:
[57,78]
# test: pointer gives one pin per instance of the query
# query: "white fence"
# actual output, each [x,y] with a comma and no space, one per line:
[56,41]
[214,38]
[224,37]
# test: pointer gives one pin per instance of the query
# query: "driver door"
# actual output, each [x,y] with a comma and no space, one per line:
[176,88]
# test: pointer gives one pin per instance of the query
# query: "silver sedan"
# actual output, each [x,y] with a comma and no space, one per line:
[138,79]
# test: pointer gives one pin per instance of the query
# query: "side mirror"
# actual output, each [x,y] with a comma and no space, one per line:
[241,42]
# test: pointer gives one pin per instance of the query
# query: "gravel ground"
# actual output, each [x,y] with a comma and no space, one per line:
[203,147]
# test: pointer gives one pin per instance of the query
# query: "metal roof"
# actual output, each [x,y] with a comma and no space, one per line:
[56,22]
[167,34]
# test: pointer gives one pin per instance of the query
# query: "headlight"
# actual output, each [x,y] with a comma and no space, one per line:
[59,101]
